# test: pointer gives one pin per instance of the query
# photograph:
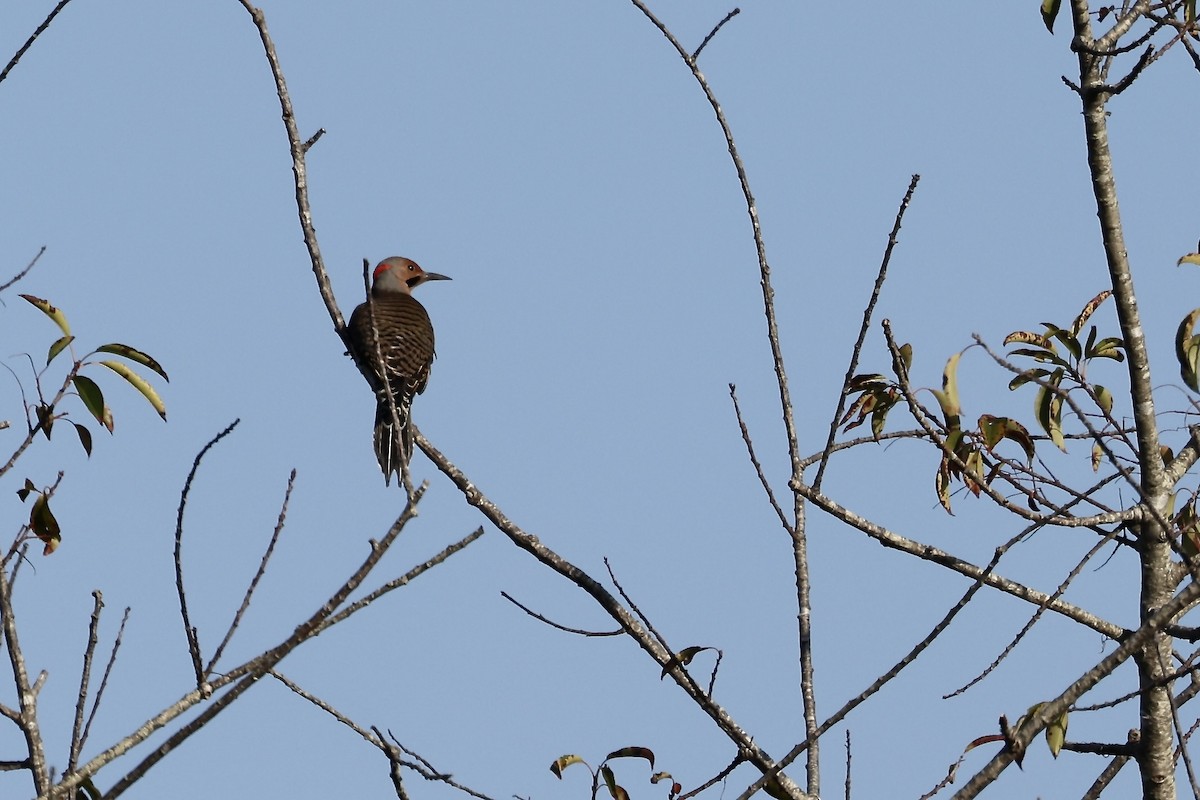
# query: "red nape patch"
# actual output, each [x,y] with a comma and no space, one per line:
[382,268]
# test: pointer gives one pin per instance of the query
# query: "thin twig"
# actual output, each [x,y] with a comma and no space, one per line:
[262,569]
[758,470]
[868,312]
[241,678]
[28,266]
[553,624]
[193,638]
[108,668]
[713,32]
[32,38]
[755,755]
[85,676]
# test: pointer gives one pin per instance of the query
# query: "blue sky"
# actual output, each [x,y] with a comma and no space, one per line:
[559,162]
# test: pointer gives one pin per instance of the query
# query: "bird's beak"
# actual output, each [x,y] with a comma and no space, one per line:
[433,276]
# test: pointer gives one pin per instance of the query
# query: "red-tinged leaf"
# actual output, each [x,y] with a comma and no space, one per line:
[859,408]
[139,383]
[1049,13]
[636,752]
[991,737]
[134,355]
[56,314]
[58,346]
[92,397]
[562,762]
[85,438]
[1089,309]
[1025,337]
[44,525]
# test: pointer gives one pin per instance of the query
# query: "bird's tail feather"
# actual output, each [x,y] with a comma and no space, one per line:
[393,447]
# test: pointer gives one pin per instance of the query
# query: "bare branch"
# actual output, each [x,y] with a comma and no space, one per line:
[32,38]
[28,266]
[108,668]
[868,312]
[262,569]
[553,624]
[26,695]
[85,679]
[713,32]
[189,630]
[531,544]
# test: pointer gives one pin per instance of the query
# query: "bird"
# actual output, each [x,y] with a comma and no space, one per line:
[392,336]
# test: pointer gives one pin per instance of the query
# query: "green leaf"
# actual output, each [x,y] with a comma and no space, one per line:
[906,355]
[133,355]
[879,415]
[1047,408]
[60,319]
[997,429]
[139,383]
[948,396]
[44,525]
[1066,337]
[1027,376]
[1049,12]
[1056,734]
[1187,350]
[610,780]
[92,397]
[1104,399]
[26,490]
[58,346]
[1108,348]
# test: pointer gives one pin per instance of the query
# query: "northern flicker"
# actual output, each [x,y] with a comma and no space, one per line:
[392,335]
